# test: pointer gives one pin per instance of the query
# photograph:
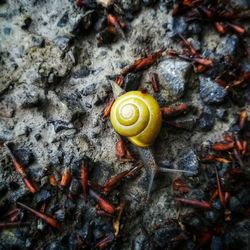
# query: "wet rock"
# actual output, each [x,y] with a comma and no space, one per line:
[207,119]
[24,155]
[81,73]
[63,20]
[216,243]
[163,236]
[173,76]
[61,125]
[28,96]
[221,114]
[189,161]
[211,92]
[141,243]
[42,196]
[89,90]
[237,236]
[132,81]
[229,45]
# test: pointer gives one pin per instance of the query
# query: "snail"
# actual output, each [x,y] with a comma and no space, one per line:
[137,116]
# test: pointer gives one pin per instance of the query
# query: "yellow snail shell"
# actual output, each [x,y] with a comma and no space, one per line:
[137,115]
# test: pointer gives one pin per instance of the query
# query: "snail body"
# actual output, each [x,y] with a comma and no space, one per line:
[137,115]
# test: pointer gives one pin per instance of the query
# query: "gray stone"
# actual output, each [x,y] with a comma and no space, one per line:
[132,81]
[5,134]
[189,161]
[178,26]
[210,91]
[173,76]
[207,119]
[229,45]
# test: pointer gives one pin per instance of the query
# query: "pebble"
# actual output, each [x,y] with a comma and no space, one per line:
[188,161]
[178,26]
[173,76]
[132,81]
[211,92]
[207,119]
[229,45]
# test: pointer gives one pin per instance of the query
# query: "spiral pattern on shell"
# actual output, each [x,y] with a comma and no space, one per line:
[137,116]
